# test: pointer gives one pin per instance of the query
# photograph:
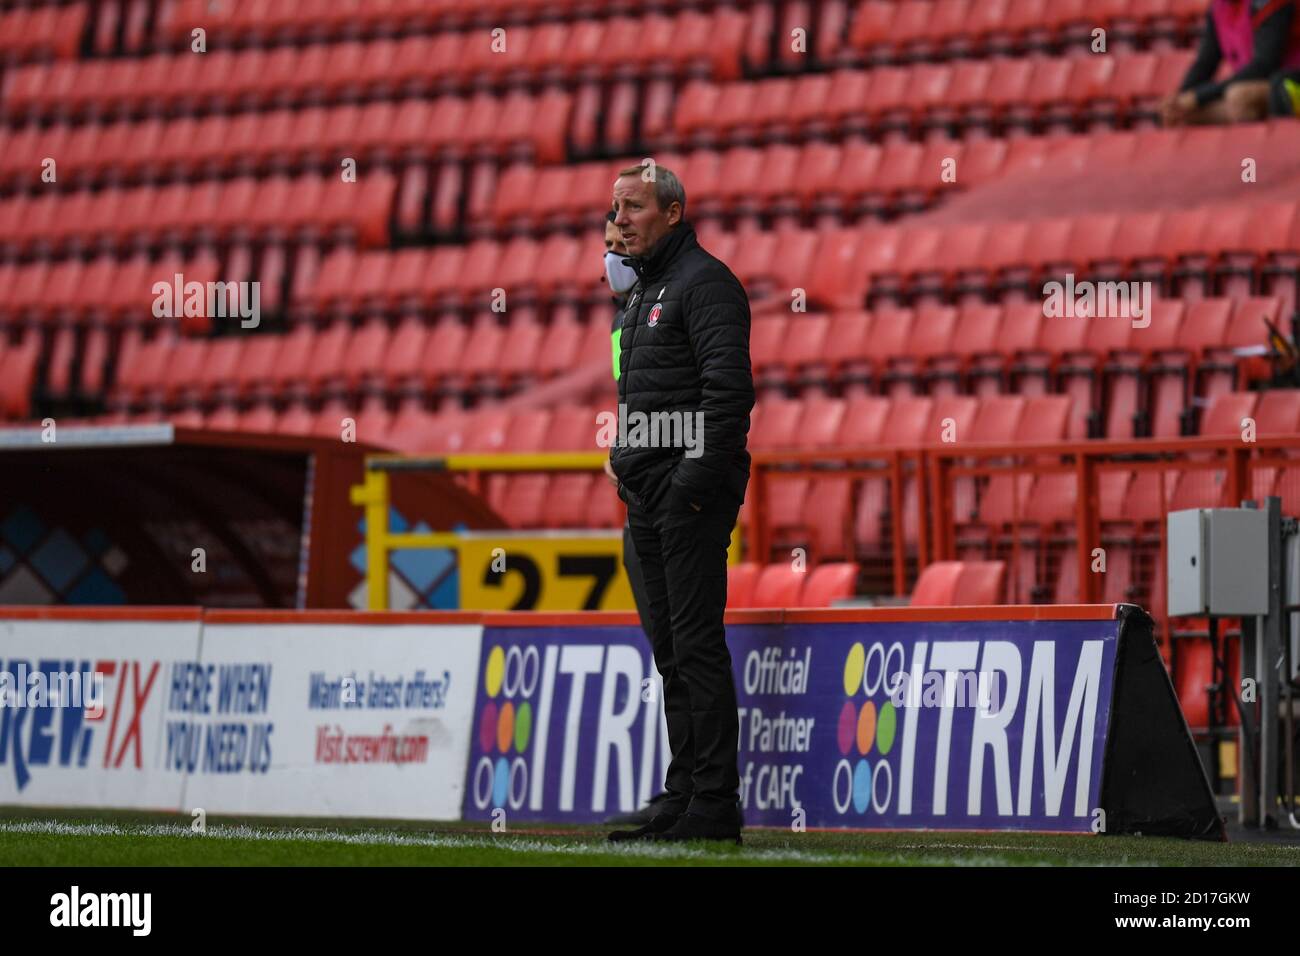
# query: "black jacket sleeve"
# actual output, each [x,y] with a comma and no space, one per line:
[717,324]
[1208,56]
[1271,37]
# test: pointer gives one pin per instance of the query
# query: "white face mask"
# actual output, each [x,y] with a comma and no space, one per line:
[621,277]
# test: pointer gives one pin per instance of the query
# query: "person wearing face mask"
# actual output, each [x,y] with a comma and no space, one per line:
[618,270]
[621,278]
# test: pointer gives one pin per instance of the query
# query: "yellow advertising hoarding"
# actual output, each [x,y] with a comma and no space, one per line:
[567,572]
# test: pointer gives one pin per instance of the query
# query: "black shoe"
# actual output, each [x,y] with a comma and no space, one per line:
[658,824]
[639,818]
[692,826]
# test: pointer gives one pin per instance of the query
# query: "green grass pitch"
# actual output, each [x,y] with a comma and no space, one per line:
[30,837]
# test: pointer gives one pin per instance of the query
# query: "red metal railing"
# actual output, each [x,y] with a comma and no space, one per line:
[938,471]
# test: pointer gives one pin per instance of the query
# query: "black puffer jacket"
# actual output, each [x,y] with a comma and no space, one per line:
[685,348]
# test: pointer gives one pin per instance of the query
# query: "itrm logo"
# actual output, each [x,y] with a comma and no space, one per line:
[103,909]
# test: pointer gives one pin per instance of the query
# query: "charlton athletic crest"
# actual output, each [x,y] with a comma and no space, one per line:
[654,315]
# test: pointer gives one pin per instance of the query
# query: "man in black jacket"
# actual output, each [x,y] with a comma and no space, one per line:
[685,393]
[621,278]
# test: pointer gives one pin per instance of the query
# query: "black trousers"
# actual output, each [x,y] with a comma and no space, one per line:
[632,564]
[683,557]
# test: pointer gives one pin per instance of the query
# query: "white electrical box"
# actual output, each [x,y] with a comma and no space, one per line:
[1218,562]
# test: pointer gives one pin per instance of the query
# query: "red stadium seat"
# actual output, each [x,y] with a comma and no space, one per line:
[364,357]
[221,364]
[292,363]
[937,584]
[297,419]
[1225,418]
[981,583]
[778,586]
[776,425]
[328,354]
[1008,499]
[521,499]
[741,580]
[829,583]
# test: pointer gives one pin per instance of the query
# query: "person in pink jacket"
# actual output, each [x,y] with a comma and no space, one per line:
[1259,40]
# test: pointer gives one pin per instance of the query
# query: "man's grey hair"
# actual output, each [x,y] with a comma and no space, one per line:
[668,188]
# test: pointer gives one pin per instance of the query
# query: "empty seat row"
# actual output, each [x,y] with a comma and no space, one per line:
[318,206]
[974,339]
[691,41]
[772,178]
[558,265]
[528,271]
[1125,381]
[691,44]
[845,266]
[835,426]
[296,19]
[450,356]
[820,504]
[833,515]
[364,423]
[483,120]
[187,370]
[43,31]
[842,268]
[781,585]
[276,139]
[104,290]
[820,511]
[1133,496]
[970,26]
[969,91]
[555,500]
[856,177]
[1125,170]
[895,351]
[1110,243]
[558,500]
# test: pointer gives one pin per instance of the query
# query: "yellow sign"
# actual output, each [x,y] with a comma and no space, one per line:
[501,572]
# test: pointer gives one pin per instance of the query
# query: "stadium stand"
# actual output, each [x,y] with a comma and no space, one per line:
[911,179]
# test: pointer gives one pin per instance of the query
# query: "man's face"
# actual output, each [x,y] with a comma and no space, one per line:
[614,240]
[638,216]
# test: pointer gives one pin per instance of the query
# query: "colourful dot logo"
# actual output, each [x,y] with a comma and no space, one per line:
[864,779]
[505,727]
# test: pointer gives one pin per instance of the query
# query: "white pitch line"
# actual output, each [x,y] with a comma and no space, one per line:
[514,844]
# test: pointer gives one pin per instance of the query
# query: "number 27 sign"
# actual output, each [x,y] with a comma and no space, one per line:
[501,572]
